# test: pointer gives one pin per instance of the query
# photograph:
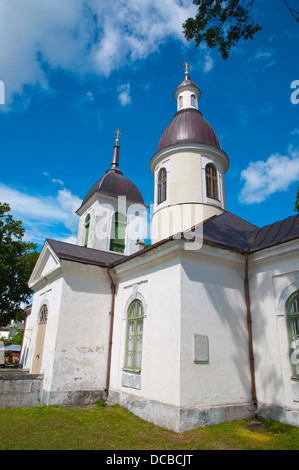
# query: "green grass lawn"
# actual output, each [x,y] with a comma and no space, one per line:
[114,428]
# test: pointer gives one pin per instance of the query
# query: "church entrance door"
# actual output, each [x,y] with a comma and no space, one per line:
[40,337]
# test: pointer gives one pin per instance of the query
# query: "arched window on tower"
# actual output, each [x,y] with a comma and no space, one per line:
[162,186]
[118,233]
[181,102]
[212,181]
[86,226]
[292,313]
[193,101]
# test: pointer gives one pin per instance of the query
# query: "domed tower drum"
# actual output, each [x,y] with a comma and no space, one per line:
[188,168]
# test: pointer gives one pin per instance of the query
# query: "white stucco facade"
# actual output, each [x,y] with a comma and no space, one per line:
[207,340]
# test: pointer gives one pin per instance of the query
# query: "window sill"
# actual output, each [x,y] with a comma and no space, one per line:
[132,371]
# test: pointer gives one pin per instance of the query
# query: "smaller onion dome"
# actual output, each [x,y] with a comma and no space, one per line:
[188,124]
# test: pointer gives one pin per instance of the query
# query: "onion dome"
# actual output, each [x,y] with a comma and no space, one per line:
[114,184]
[188,124]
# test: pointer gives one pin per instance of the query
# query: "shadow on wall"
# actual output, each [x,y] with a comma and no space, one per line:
[220,293]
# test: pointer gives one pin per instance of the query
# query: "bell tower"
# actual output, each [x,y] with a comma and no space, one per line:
[188,168]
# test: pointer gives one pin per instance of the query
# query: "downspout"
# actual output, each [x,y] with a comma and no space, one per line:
[111,330]
[249,324]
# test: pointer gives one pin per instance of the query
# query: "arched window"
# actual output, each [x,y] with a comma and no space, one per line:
[211,181]
[292,311]
[181,102]
[193,101]
[134,335]
[43,314]
[86,226]
[118,233]
[162,185]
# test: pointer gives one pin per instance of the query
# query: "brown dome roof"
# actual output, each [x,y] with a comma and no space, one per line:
[115,184]
[188,125]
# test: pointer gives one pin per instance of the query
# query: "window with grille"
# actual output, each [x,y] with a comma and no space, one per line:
[193,101]
[134,336]
[118,233]
[212,182]
[292,311]
[162,185]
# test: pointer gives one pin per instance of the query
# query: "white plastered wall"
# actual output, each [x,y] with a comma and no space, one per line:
[274,276]
[158,382]
[213,306]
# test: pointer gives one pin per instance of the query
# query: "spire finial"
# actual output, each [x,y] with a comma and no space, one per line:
[187,67]
[115,159]
[117,136]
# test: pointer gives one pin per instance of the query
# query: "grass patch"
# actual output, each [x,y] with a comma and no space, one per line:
[114,428]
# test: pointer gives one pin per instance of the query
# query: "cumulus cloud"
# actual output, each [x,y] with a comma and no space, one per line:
[124,94]
[263,178]
[41,215]
[80,37]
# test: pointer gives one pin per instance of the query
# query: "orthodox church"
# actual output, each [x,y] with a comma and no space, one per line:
[198,328]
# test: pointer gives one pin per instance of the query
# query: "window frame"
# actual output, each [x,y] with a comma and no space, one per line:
[119,221]
[292,326]
[86,229]
[193,100]
[133,320]
[43,314]
[212,189]
[162,186]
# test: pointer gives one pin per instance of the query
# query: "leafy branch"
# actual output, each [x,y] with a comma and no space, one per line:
[223,23]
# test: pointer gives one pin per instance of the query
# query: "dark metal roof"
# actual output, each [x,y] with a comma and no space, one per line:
[83,255]
[274,234]
[115,184]
[227,231]
[188,125]
[231,232]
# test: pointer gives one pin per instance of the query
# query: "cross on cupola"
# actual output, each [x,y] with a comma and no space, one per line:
[187,67]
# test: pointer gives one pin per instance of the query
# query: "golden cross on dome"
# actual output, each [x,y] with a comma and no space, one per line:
[187,67]
[117,135]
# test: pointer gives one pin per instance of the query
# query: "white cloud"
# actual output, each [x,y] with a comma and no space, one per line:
[263,178]
[124,94]
[43,217]
[80,37]
[263,58]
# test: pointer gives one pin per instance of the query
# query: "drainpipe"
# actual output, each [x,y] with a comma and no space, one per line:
[249,323]
[111,330]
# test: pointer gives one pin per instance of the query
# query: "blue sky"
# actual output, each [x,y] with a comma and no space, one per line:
[74,74]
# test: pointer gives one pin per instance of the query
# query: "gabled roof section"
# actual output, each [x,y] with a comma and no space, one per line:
[84,255]
[230,232]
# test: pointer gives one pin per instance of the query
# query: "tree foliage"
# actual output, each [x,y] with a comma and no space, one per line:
[223,23]
[17,259]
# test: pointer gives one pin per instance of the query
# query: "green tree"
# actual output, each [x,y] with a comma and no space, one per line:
[223,23]
[17,259]
[296,208]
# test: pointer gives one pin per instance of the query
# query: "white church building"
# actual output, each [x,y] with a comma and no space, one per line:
[198,328]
